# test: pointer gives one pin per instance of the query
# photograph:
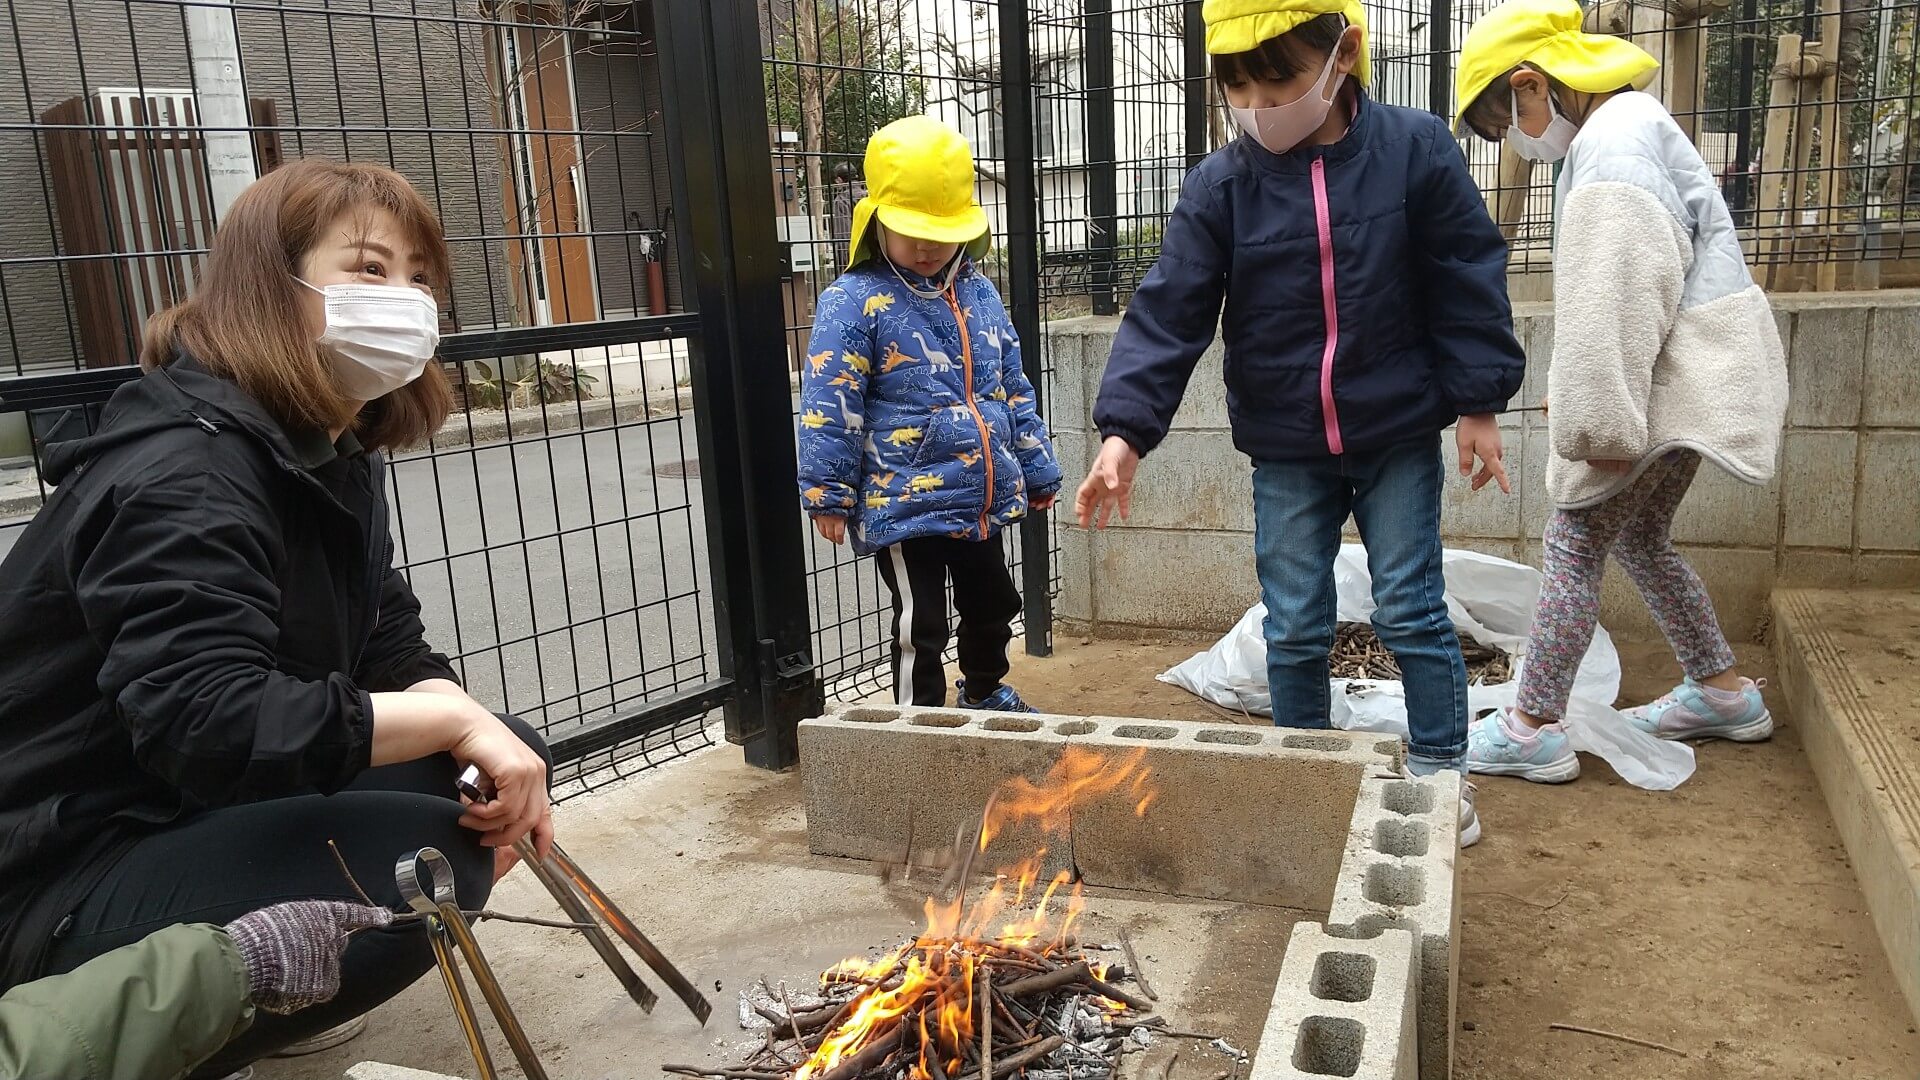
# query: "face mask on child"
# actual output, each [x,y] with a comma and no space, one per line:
[1280,128]
[1552,144]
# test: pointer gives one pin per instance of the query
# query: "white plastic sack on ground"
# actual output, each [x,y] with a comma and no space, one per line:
[1491,602]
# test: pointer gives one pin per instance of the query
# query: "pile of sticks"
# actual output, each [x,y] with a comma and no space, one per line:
[1041,1013]
[1358,654]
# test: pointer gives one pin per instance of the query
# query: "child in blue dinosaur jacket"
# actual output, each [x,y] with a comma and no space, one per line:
[919,434]
[1365,312]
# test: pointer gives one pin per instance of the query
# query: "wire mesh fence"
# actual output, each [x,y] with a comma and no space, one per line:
[835,72]
[553,530]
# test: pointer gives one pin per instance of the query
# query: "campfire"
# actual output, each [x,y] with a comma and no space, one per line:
[992,988]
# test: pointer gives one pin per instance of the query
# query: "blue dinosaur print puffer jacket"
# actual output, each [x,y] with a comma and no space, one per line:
[915,417]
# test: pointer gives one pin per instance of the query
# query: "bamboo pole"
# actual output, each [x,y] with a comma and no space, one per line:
[1769,215]
[1833,146]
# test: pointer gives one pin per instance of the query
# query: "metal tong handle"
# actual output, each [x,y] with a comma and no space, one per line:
[689,995]
[447,924]
[577,910]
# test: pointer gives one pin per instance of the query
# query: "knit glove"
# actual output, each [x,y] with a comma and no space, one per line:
[292,951]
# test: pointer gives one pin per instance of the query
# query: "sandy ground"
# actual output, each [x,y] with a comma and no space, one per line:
[1721,919]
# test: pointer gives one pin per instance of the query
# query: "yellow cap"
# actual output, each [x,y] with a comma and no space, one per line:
[1548,35]
[1238,26]
[920,184]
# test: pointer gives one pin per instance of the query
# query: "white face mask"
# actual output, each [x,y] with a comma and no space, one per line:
[382,335]
[1280,128]
[1553,144]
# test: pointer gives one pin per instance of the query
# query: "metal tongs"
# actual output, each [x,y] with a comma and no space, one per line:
[587,904]
[448,930]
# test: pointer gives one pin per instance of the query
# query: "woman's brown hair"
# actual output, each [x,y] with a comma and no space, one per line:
[245,321]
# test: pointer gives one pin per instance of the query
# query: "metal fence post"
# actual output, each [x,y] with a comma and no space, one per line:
[1021,173]
[1440,66]
[1103,192]
[710,59]
[1193,40]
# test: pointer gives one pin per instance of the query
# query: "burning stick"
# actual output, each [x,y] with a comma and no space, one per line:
[1020,1060]
[986,1029]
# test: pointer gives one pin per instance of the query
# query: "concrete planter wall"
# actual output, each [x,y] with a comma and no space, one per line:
[1843,509]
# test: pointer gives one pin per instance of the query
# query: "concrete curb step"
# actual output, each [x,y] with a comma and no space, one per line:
[1851,672]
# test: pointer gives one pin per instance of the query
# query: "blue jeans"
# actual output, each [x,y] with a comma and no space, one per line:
[1394,497]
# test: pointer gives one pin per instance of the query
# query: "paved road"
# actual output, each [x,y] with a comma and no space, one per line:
[568,578]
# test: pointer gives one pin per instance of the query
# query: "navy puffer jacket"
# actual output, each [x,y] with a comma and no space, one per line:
[1365,289]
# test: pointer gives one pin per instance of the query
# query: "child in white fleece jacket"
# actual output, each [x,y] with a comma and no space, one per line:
[1655,318]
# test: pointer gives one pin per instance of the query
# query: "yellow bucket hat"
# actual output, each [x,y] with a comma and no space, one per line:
[1237,26]
[1548,35]
[919,184]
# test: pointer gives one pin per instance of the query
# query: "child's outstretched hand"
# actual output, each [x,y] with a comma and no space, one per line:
[1109,484]
[1479,436]
[833,528]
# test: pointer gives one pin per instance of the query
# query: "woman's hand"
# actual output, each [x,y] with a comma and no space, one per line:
[834,529]
[1109,484]
[519,805]
[1479,436]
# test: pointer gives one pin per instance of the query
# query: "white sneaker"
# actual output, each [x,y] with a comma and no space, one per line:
[1469,816]
[243,1074]
[326,1040]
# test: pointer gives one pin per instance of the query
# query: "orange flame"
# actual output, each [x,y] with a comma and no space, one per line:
[937,973]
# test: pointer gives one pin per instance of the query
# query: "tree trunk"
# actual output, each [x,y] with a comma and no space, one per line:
[811,80]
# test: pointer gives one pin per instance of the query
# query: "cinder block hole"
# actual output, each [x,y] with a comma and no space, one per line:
[1011,723]
[941,719]
[1142,731]
[1342,976]
[1326,743]
[1389,747]
[871,716]
[1406,797]
[1329,1046]
[1075,727]
[1401,839]
[1229,736]
[1395,886]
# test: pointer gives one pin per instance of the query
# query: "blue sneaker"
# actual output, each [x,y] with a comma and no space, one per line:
[1692,711]
[1546,758]
[1003,700]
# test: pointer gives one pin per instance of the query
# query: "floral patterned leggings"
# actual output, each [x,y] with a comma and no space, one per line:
[1633,525]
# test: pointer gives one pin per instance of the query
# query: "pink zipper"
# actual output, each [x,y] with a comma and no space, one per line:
[1327,411]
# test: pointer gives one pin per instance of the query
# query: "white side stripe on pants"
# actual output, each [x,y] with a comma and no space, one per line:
[904,584]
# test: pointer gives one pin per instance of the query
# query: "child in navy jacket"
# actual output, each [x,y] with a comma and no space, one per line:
[1365,312]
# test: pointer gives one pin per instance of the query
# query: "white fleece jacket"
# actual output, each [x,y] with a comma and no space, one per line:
[1661,339]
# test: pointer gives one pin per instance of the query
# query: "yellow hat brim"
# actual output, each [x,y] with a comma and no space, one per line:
[1243,27]
[970,227]
[1587,63]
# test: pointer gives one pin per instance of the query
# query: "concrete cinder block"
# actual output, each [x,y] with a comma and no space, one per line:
[1173,580]
[1826,367]
[1892,378]
[1804,569]
[1205,406]
[1280,846]
[1342,1007]
[1888,511]
[1070,408]
[1722,510]
[1398,873]
[1194,480]
[878,778]
[1075,566]
[1738,579]
[1876,570]
[374,1070]
[1818,475]
[1535,330]
[1535,505]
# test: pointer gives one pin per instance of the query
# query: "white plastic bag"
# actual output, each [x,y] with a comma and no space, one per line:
[1491,602]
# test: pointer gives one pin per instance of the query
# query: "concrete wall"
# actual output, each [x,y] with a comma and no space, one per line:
[1843,509]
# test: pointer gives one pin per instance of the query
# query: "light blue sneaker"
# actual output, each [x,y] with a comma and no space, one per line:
[1690,712]
[1547,758]
[1003,700]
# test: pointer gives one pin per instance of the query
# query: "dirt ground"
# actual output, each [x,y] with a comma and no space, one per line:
[1721,919]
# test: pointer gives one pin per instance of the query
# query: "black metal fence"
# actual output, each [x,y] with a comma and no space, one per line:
[561,531]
